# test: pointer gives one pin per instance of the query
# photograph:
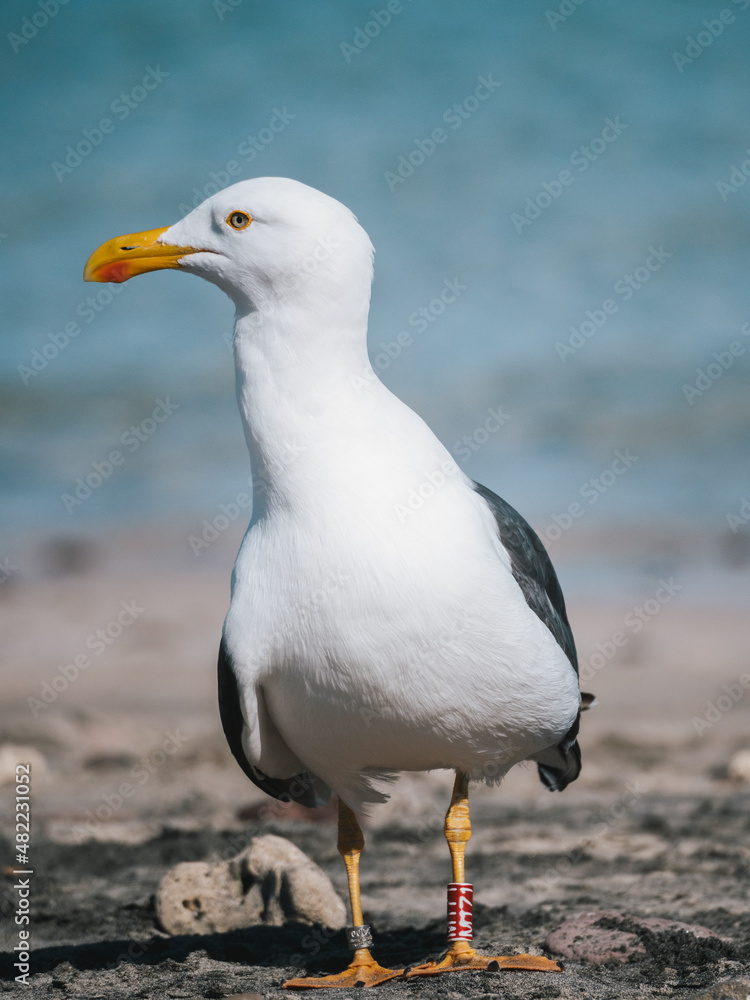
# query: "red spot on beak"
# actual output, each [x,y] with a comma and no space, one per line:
[118,271]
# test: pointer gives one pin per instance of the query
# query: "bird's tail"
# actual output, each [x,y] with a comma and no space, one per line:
[558,767]
[561,764]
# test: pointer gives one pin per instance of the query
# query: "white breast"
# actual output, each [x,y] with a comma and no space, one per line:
[383,634]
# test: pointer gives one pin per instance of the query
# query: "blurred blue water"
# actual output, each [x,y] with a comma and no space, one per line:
[356,111]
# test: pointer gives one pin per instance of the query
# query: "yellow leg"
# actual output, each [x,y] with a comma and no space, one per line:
[461,956]
[363,970]
[458,825]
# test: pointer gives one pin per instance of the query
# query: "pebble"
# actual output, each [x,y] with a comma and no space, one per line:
[739,767]
[11,755]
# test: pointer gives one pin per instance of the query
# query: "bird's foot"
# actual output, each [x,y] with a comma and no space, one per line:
[463,958]
[363,971]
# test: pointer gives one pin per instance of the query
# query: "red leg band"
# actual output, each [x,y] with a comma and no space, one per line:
[460,911]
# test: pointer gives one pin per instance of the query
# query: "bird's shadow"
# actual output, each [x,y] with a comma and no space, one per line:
[311,949]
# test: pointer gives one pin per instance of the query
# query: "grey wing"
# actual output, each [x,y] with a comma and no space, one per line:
[533,571]
[304,788]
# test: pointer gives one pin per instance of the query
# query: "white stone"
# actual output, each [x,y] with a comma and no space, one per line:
[271,882]
[11,755]
[739,766]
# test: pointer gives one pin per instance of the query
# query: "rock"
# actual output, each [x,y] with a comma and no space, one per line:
[581,940]
[271,882]
[730,989]
[738,767]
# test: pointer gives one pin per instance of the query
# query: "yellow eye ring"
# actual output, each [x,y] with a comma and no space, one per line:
[238,220]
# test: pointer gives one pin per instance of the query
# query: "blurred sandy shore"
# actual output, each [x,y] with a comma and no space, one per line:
[658,643]
[131,748]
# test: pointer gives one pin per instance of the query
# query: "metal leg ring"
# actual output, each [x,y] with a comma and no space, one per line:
[359,937]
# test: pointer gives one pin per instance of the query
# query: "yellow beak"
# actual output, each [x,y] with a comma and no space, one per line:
[125,256]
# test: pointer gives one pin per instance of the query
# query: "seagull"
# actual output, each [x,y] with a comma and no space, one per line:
[387,613]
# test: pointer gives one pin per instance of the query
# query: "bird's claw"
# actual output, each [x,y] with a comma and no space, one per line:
[463,958]
[357,974]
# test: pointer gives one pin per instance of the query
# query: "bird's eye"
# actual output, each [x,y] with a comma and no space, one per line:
[239,220]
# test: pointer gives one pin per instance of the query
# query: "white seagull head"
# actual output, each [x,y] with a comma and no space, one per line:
[261,241]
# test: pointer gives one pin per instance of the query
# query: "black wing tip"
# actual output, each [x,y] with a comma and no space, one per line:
[304,788]
[557,779]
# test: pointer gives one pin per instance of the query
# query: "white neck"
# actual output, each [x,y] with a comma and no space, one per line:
[296,369]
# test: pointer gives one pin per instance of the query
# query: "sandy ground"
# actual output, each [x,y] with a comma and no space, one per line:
[655,826]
